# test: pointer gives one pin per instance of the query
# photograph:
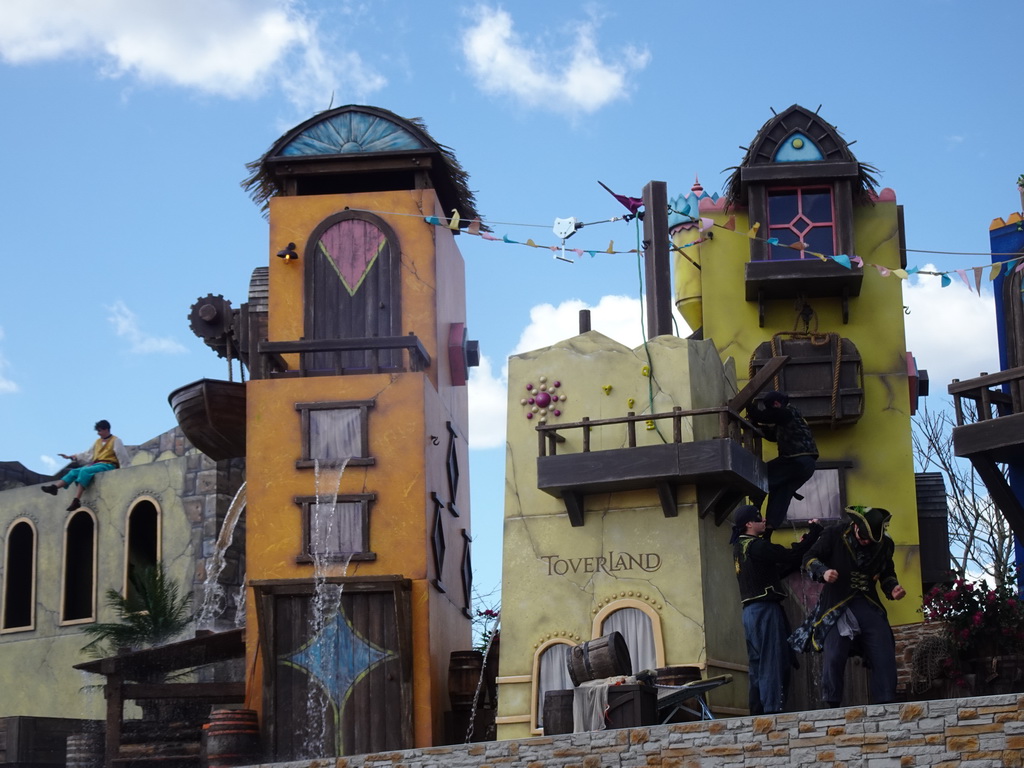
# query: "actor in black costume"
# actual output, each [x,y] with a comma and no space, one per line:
[849,617]
[760,568]
[782,423]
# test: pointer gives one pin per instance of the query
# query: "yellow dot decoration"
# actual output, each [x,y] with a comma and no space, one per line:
[798,143]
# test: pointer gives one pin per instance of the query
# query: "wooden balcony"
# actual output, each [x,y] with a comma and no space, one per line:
[139,676]
[341,357]
[992,433]
[724,469]
[997,427]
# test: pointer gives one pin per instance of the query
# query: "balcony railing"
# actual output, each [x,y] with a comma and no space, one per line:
[994,394]
[730,425]
[331,357]
[723,469]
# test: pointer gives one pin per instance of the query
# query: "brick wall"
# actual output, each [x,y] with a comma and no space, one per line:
[983,732]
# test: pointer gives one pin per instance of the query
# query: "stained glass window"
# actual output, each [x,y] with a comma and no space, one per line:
[801,214]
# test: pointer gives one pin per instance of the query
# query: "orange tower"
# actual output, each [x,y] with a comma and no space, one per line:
[357,523]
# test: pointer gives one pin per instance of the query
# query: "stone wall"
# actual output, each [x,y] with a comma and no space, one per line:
[983,732]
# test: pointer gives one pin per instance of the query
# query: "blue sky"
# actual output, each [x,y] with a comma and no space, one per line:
[127,126]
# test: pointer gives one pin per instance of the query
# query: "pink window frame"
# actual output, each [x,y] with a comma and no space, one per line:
[772,226]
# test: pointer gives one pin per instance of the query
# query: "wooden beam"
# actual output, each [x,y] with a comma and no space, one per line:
[1002,494]
[753,387]
[667,496]
[227,693]
[574,506]
[657,268]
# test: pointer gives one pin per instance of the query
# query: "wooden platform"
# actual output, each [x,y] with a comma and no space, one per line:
[211,413]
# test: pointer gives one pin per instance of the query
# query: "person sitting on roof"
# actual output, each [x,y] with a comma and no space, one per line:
[108,452]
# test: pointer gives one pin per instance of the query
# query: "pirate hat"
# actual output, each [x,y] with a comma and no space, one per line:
[748,513]
[870,520]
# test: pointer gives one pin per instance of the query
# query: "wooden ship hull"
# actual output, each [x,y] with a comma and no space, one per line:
[211,413]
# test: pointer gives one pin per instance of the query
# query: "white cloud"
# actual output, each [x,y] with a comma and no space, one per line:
[126,325]
[617,317]
[951,331]
[228,48]
[581,79]
[7,386]
[51,465]
[487,405]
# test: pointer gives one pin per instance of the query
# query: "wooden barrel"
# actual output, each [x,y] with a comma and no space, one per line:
[597,659]
[232,738]
[85,750]
[464,671]
[558,712]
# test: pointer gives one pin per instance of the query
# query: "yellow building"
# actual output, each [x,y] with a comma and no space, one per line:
[840,318]
[357,471]
[612,528]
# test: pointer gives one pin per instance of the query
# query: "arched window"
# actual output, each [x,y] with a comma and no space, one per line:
[550,673]
[19,577]
[640,627]
[78,599]
[142,541]
[352,289]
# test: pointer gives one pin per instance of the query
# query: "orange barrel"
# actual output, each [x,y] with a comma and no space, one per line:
[464,671]
[597,659]
[232,738]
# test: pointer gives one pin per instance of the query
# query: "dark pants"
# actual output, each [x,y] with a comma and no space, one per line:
[877,646]
[768,656]
[785,476]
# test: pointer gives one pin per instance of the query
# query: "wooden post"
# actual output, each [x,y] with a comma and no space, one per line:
[584,320]
[115,714]
[657,269]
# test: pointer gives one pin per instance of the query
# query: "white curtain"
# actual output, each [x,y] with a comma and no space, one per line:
[336,529]
[638,632]
[554,674]
[821,498]
[335,433]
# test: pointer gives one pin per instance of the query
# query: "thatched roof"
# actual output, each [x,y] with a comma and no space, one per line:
[831,150]
[356,133]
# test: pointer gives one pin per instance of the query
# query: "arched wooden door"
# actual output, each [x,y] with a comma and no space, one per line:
[352,291]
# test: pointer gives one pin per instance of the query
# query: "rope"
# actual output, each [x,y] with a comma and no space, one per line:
[837,366]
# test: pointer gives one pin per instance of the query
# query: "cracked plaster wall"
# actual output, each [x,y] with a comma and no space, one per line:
[554,581]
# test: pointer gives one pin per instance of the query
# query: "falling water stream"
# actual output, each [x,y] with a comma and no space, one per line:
[326,602]
[480,683]
[214,598]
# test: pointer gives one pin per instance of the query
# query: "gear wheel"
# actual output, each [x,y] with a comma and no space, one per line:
[210,319]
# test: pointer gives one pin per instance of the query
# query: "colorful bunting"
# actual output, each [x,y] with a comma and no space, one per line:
[705,224]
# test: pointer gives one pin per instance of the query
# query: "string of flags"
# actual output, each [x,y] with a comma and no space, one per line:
[972,277]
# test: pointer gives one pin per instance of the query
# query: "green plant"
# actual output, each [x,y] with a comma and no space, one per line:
[153,613]
[979,620]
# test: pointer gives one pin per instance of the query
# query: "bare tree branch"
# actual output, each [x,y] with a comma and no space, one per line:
[981,542]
